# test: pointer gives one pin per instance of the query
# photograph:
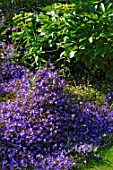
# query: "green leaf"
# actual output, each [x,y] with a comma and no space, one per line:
[109,6]
[50,42]
[70,22]
[80,27]
[95,149]
[52,13]
[100,63]
[36,59]
[72,54]
[91,39]
[94,16]
[103,53]
[75,47]
[102,7]
[82,39]
[63,54]
[43,60]
[109,74]
[82,46]
[15,35]
[98,51]
[65,39]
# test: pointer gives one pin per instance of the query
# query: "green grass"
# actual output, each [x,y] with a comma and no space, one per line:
[105,163]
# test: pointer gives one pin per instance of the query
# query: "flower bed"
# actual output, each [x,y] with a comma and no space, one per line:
[43,129]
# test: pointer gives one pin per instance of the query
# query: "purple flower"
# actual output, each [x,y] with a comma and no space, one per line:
[13,29]
[36,2]
[42,128]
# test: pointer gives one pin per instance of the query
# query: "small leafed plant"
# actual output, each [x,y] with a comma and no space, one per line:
[41,128]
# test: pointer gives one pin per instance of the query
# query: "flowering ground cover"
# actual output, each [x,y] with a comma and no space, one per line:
[41,126]
[48,121]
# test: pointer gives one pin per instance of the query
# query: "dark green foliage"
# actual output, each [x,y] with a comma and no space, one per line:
[74,35]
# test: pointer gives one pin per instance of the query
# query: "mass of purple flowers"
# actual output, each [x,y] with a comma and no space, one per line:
[40,127]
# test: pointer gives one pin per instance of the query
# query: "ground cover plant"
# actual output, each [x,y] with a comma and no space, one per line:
[42,127]
[45,122]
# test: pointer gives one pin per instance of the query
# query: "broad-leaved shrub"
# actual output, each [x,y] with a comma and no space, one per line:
[74,36]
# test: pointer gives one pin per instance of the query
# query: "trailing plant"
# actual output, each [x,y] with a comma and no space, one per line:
[40,127]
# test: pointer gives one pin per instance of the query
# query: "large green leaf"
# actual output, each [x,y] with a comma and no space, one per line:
[97,51]
[100,63]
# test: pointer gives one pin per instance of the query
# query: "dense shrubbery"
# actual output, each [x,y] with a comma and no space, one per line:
[75,37]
